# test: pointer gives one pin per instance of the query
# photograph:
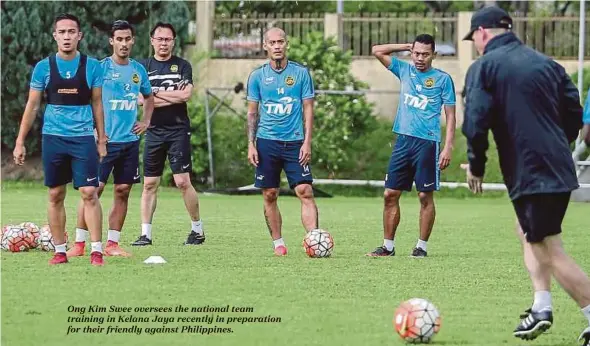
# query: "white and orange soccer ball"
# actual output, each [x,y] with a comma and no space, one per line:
[417,321]
[318,243]
[17,239]
[34,230]
[4,231]
[46,239]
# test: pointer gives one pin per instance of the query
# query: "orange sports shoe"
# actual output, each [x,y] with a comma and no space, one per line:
[58,258]
[281,250]
[77,250]
[113,249]
[96,258]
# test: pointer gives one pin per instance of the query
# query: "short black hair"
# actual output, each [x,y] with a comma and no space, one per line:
[66,16]
[163,25]
[121,25]
[425,39]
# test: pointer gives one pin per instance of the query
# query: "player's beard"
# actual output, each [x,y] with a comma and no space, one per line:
[123,54]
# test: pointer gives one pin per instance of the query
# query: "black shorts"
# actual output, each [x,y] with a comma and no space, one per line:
[123,161]
[541,215]
[175,145]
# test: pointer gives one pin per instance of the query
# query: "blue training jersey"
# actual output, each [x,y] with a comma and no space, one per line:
[422,96]
[280,98]
[586,117]
[121,87]
[63,120]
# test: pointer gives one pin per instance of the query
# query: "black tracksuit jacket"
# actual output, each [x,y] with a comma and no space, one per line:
[532,108]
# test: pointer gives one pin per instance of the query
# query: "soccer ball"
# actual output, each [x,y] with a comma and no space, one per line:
[17,239]
[318,243]
[417,320]
[46,239]
[4,231]
[34,230]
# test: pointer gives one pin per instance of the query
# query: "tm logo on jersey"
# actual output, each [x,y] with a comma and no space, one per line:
[283,108]
[130,104]
[419,102]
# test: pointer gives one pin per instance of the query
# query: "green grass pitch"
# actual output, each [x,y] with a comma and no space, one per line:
[474,275]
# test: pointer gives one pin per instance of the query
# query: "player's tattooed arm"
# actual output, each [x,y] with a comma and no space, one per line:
[252,120]
[252,129]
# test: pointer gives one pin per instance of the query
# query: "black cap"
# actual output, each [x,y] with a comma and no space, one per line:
[487,18]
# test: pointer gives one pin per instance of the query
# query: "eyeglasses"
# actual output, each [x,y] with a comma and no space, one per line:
[163,39]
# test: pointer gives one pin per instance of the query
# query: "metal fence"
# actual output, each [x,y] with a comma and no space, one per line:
[553,36]
[362,32]
[240,36]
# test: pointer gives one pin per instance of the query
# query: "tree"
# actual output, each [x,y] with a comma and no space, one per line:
[339,119]
[27,39]
[235,7]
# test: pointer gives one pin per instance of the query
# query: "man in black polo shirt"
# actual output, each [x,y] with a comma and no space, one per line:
[169,133]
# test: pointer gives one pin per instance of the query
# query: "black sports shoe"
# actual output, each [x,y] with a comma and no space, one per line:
[525,313]
[143,240]
[381,251]
[419,252]
[195,239]
[534,324]
[585,337]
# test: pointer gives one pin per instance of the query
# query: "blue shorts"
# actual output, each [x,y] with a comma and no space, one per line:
[275,156]
[123,160]
[70,158]
[413,159]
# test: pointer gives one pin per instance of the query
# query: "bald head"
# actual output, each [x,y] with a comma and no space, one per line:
[275,44]
[275,33]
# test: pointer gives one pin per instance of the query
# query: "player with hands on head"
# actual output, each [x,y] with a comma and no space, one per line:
[416,157]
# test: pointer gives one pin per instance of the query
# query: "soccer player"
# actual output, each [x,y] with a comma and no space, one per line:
[533,109]
[280,123]
[124,80]
[425,90]
[171,78]
[72,83]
